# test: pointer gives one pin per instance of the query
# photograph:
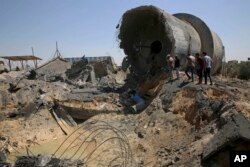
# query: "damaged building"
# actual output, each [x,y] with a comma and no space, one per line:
[103,65]
[82,69]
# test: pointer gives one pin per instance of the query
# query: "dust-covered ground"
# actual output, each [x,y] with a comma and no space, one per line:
[184,124]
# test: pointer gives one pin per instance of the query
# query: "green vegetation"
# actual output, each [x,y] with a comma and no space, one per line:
[241,70]
[244,70]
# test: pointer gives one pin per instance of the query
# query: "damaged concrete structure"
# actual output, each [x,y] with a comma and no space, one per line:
[102,65]
[53,68]
[234,136]
[91,59]
[81,72]
[147,34]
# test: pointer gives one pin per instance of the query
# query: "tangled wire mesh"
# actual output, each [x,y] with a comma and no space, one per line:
[96,143]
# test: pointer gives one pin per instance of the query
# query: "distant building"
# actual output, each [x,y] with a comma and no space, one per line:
[233,62]
[95,61]
[91,59]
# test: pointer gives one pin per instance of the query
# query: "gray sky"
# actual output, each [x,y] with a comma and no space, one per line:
[88,26]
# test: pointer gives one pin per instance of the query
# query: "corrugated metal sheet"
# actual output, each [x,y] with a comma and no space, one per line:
[91,59]
[20,58]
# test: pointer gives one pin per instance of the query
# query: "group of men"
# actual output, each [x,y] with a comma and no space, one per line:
[201,65]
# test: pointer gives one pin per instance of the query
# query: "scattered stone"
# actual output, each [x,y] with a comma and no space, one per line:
[167,162]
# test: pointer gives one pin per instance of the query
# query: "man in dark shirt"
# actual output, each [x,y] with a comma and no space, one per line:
[177,66]
[199,66]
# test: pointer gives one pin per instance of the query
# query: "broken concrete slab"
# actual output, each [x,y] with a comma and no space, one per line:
[80,73]
[120,77]
[234,130]
[87,90]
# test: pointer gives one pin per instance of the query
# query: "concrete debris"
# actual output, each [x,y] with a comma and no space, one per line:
[84,105]
[77,69]
[204,121]
[53,70]
[45,161]
[233,134]
[101,69]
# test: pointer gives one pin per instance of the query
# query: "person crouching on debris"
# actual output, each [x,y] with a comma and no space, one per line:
[140,102]
[199,65]
[170,66]
[190,67]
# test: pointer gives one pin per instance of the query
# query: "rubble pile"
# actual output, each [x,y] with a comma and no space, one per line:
[44,161]
[205,122]
[80,73]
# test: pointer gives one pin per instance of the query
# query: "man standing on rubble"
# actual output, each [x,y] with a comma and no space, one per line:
[170,65]
[199,66]
[207,67]
[190,67]
[177,66]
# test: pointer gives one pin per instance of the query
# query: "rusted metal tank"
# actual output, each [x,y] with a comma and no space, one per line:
[147,34]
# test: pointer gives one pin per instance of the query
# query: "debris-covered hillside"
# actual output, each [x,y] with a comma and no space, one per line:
[61,123]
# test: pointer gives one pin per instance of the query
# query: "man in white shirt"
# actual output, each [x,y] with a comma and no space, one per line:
[207,67]
[170,65]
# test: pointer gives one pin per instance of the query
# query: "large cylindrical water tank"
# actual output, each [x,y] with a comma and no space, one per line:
[147,34]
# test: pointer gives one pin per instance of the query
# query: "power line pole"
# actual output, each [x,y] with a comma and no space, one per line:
[32,51]
[57,53]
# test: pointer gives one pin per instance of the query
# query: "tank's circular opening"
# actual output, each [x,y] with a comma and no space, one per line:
[156,47]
